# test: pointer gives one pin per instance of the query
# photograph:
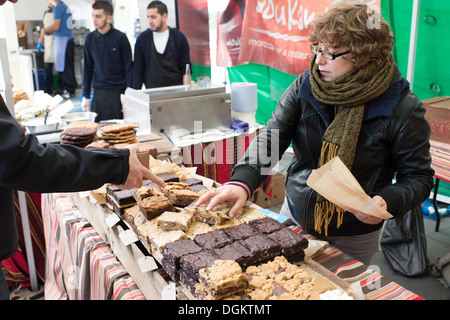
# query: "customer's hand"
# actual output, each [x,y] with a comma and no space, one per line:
[138,173]
[368,219]
[226,192]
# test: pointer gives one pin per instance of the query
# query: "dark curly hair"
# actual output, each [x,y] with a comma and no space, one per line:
[355,26]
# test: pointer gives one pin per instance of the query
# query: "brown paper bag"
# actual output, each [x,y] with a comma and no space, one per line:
[336,183]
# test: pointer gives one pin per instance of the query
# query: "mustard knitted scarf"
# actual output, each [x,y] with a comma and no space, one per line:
[350,92]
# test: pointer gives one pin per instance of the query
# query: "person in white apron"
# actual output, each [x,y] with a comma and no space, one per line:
[49,53]
[161,52]
[64,46]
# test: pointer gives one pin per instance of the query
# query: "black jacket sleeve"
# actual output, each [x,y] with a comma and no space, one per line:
[411,157]
[29,166]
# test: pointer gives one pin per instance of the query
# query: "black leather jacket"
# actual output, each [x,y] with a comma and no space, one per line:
[395,146]
[29,166]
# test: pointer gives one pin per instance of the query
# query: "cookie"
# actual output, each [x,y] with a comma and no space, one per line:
[118,127]
[80,132]
[118,134]
[83,124]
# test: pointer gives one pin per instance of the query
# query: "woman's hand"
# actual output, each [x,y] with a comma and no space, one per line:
[223,193]
[138,173]
[368,219]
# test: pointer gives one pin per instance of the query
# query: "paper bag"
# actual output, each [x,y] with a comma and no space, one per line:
[335,182]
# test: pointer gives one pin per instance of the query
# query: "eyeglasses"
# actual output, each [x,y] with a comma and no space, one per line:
[325,54]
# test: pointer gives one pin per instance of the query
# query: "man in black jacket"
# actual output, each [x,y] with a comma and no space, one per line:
[32,167]
[29,166]
[107,65]
[161,53]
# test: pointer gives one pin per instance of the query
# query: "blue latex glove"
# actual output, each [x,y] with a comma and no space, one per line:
[39,47]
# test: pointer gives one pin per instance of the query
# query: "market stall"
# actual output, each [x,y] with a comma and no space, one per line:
[99,249]
[82,266]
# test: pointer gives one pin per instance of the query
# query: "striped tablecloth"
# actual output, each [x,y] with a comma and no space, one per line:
[81,266]
[374,285]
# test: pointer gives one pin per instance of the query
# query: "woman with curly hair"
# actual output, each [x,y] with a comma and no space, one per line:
[353,103]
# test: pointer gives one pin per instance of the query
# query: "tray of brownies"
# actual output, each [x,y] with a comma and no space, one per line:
[211,256]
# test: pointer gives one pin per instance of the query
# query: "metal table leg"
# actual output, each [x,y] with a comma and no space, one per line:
[438,216]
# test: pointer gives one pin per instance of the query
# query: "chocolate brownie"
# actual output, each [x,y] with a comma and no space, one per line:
[123,197]
[266,225]
[213,239]
[114,207]
[151,184]
[172,252]
[198,187]
[169,177]
[192,182]
[235,251]
[192,263]
[261,247]
[171,270]
[118,200]
[296,257]
[241,231]
[290,241]
[188,281]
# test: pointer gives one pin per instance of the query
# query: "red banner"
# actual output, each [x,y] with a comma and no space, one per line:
[273,32]
[229,29]
[193,20]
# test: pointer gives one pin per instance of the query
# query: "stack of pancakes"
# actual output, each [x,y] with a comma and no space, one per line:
[119,133]
[80,137]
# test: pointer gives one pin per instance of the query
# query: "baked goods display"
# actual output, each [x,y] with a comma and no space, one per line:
[212,256]
[243,244]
